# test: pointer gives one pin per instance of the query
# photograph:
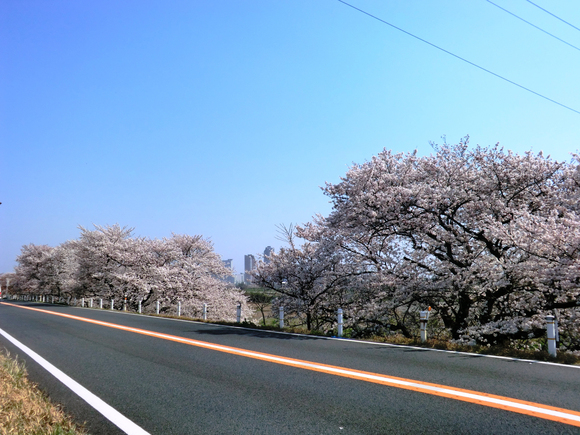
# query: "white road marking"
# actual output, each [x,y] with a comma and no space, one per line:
[106,410]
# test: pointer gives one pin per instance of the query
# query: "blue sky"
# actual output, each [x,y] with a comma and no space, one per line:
[224,118]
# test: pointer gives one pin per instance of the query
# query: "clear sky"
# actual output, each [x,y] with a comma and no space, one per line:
[224,118]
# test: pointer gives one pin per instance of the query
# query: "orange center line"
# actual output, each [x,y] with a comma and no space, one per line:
[501,402]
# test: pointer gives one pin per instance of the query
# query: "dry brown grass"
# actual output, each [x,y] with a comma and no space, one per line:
[538,355]
[24,409]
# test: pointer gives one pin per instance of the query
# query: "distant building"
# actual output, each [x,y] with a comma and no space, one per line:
[239,278]
[228,264]
[249,265]
[269,250]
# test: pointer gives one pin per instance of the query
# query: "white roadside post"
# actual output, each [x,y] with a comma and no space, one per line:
[82,302]
[204,311]
[551,335]
[52,299]
[239,313]
[139,307]
[91,303]
[281,316]
[125,303]
[112,304]
[423,319]
[178,309]
[339,318]
[157,307]
[101,304]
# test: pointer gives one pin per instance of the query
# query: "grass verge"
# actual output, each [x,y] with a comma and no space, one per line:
[24,409]
[510,352]
[537,355]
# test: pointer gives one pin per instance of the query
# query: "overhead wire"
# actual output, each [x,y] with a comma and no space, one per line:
[460,58]
[555,16]
[533,25]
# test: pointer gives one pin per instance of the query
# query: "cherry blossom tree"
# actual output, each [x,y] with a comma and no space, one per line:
[488,238]
[310,279]
[188,270]
[42,269]
[30,268]
[109,262]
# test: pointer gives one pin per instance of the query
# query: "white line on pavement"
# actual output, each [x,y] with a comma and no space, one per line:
[108,411]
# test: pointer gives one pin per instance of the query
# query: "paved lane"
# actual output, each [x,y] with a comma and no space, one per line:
[167,387]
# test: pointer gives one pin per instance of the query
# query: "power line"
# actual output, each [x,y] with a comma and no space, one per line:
[555,16]
[459,57]
[533,25]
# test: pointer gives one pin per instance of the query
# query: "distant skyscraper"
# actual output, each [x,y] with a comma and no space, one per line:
[228,263]
[249,265]
[269,250]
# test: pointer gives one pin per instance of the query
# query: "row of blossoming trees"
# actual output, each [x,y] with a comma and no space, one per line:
[489,239]
[110,263]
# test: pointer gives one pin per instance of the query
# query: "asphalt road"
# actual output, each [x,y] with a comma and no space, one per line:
[173,388]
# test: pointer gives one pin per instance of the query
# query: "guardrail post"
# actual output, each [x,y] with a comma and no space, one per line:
[281,316]
[204,311]
[178,309]
[340,323]
[551,335]
[423,320]
[239,313]
[157,307]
